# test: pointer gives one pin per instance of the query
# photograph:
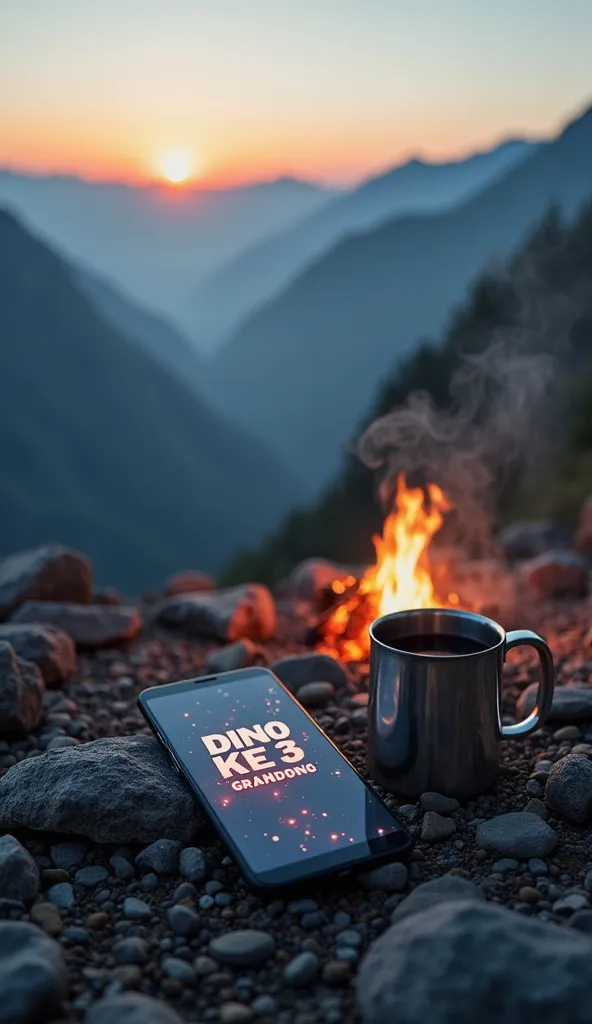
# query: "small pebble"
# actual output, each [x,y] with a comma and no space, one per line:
[136,910]
[302,969]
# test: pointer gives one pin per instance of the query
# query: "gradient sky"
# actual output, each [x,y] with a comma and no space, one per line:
[331,89]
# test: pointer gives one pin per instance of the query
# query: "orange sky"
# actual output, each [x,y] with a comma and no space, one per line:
[328,89]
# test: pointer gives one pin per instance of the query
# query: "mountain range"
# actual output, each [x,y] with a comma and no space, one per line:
[302,370]
[155,242]
[103,447]
[264,267]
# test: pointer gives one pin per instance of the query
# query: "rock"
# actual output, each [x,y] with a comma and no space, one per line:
[192,864]
[19,874]
[179,970]
[245,948]
[315,695]
[68,855]
[131,950]
[569,788]
[234,656]
[438,803]
[135,909]
[91,877]
[557,574]
[21,693]
[245,611]
[583,536]
[297,670]
[536,806]
[570,703]
[131,1008]
[183,920]
[47,917]
[386,878]
[48,573]
[302,969]
[310,578]
[528,539]
[567,732]
[90,626]
[500,867]
[435,828]
[191,582]
[62,896]
[113,790]
[519,834]
[467,961]
[122,868]
[33,978]
[569,904]
[235,1013]
[431,894]
[51,649]
[528,894]
[162,857]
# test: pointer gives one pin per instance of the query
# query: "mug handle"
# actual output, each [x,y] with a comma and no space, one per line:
[546,681]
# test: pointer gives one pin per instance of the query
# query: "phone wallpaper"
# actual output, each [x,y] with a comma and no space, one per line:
[279,787]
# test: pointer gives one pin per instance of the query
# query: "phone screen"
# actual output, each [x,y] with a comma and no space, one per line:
[280,790]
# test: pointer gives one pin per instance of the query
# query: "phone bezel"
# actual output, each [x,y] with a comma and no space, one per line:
[393,846]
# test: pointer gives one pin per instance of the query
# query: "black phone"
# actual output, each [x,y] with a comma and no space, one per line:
[287,803]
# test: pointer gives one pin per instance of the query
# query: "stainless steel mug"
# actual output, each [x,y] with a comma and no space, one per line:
[435,718]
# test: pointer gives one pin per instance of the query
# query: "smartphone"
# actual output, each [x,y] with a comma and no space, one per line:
[287,803]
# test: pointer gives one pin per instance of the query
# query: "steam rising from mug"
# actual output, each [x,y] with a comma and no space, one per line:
[493,427]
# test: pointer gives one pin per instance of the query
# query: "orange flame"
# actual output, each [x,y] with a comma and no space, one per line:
[400,578]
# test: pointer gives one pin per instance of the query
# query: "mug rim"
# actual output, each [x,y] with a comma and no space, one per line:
[413,612]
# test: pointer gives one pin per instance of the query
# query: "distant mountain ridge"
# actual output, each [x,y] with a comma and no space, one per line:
[154,242]
[257,273]
[302,370]
[102,448]
[160,338]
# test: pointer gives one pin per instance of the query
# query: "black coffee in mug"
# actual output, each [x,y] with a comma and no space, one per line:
[442,645]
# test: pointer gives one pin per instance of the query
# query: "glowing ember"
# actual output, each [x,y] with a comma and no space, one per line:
[399,580]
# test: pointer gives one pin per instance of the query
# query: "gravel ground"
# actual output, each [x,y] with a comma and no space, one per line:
[126,927]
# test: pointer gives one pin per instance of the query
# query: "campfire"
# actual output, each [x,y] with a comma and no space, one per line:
[399,579]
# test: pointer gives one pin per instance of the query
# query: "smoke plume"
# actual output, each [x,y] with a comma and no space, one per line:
[497,421]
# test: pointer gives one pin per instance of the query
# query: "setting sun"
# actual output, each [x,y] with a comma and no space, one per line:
[177,165]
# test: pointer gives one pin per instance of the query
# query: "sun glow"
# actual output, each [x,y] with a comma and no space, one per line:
[177,165]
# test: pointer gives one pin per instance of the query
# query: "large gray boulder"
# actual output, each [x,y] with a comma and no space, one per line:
[47,573]
[21,693]
[33,978]
[115,790]
[431,894]
[90,626]
[463,962]
[246,611]
[49,648]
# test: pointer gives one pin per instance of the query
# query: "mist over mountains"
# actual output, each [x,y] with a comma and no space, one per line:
[264,267]
[155,242]
[302,370]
